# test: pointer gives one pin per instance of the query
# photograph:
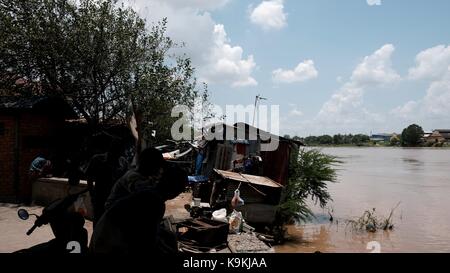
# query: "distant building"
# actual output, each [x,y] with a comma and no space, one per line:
[439,136]
[381,137]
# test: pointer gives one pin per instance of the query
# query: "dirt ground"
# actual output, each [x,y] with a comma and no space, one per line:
[13,230]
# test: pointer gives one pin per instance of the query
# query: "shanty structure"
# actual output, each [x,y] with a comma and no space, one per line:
[226,147]
[246,158]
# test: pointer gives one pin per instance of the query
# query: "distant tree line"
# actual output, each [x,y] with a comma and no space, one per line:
[412,136]
[339,139]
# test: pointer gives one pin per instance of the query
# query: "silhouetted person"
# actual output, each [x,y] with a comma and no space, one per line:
[104,170]
[74,171]
[145,175]
[132,225]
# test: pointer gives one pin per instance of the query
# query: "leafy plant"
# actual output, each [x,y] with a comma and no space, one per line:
[309,172]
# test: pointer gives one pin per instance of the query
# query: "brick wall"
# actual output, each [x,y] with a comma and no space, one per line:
[7,140]
[31,127]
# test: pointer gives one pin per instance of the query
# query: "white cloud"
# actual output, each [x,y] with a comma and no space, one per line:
[295,113]
[437,99]
[206,42]
[406,111]
[376,69]
[345,112]
[227,63]
[431,63]
[303,72]
[374,2]
[269,15]
[345,107]
[433,109]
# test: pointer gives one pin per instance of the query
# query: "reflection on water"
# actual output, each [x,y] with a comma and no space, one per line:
[414,164]
[380,178]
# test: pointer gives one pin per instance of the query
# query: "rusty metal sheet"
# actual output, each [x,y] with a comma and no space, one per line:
[257,180]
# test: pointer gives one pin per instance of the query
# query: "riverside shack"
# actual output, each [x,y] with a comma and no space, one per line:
[246,158]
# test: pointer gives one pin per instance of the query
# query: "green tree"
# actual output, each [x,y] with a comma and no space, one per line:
[348,139]
[297,138]
[360,139]
[412,135]
[309,173]
[338,139]
[325,140]
[311,140]
[101,57]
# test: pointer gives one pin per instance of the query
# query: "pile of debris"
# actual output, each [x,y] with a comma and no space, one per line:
[216,231]
[203,235]
[248,243]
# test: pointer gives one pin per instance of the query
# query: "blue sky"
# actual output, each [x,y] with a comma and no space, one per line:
[360,68]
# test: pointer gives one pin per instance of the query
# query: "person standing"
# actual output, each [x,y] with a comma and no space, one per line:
[102,172]
[132,225]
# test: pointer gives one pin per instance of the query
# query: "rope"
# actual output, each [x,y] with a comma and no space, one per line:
[250,184]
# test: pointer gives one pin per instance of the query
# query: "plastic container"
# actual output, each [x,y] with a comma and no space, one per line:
[220,215]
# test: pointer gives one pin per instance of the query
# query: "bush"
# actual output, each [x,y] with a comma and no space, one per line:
[309,173]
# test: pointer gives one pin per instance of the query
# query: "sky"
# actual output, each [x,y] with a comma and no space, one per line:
[332,66]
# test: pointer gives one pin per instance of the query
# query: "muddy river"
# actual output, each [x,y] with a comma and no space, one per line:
[381,178]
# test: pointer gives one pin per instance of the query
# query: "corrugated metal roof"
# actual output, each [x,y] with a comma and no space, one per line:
[246,178]
[45,104]
[250,133]
[15,102]
[443,131]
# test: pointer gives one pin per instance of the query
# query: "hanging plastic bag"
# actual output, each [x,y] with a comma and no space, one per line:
[237,201]
[235,222]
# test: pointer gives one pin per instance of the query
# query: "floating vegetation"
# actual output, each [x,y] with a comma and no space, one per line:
[370,222]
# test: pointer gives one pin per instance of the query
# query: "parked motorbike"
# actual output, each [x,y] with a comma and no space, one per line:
[67,226]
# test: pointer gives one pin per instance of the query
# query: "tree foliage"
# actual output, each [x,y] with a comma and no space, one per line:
[338,139]
[412,135]
[309,174]
[101,57]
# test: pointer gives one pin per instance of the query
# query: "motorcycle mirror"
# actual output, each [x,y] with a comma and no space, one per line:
[23,214]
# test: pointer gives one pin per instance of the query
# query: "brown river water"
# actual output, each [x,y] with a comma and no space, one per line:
[381,178]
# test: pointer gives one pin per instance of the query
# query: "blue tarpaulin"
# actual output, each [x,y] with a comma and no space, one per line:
[197,179]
